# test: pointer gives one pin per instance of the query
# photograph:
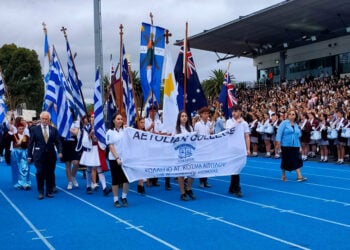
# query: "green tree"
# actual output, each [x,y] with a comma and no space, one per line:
[212,86]
[137,88]
[22,75]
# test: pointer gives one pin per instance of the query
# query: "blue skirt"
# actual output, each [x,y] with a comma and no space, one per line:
[20,168]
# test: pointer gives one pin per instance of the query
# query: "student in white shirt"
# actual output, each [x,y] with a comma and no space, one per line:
[238,122]
[204,127]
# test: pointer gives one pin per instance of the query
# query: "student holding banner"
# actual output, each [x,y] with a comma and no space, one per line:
[183,127]
[243,128]
[113,138]
[204,127]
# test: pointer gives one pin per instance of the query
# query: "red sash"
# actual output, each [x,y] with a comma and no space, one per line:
[102,156]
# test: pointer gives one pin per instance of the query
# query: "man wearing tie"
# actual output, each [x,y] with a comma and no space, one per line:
[43,140]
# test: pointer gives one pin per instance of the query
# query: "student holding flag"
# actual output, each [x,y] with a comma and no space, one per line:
[91,157]
[113,138]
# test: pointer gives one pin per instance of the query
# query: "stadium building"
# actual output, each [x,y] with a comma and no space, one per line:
[290,40]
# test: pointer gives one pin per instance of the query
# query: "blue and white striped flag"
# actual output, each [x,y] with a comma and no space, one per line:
[2,85]
[128,95]
[3,110]
[48,104]
[99,124]
[64,115]
[75,83]
[151,103]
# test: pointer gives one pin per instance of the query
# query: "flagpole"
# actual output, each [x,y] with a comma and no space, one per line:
[228,67]
[185,64]
[63,29]
[152,100]
[45,33]
[133,92]
[120,86]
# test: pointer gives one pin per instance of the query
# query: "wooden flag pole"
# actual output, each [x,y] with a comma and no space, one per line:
[133,92]
[120,86]
[64,30]
[185,64]
[152,100]
[45,33]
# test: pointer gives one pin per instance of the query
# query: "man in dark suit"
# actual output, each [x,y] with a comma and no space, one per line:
[41,150]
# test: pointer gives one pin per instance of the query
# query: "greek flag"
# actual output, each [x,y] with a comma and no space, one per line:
[3,110]
[57,81]
[2,85]
[128,93]
[75,84]
[99,124]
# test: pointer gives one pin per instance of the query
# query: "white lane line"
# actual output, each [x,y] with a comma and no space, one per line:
[130,226]
[304,183]
[332,169]
[294,194]
[219,219]
[30,224]
[278,209]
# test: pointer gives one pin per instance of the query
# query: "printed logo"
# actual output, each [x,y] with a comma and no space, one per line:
[185,151]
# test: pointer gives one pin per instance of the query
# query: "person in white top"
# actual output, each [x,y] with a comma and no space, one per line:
[183,127]
[204,127]
[243,128]
[113,138]
[154,125]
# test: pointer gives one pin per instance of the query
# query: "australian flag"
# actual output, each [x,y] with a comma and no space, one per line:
[194,98]
[227,95]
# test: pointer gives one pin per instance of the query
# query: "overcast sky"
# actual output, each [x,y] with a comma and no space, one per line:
[21,24]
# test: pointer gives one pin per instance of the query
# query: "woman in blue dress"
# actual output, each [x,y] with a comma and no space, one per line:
[19,163]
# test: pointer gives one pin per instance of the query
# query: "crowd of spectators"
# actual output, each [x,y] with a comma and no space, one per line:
[311,97]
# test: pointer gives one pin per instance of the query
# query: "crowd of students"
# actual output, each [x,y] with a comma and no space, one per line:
[323,110]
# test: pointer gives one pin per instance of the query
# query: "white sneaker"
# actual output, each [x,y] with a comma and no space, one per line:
[70,186]
[75,183]
[94,185]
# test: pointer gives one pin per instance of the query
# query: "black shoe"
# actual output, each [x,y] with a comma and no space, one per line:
[89,190]
[40,196]
[141,189]
[106,191]
[125,202]
[167,187]
[184,197]
[116,204]
[190,194]
[207,185]
[238,194]
[27,188]
[49,195]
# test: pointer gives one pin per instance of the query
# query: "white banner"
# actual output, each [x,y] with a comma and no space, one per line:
[147,155]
